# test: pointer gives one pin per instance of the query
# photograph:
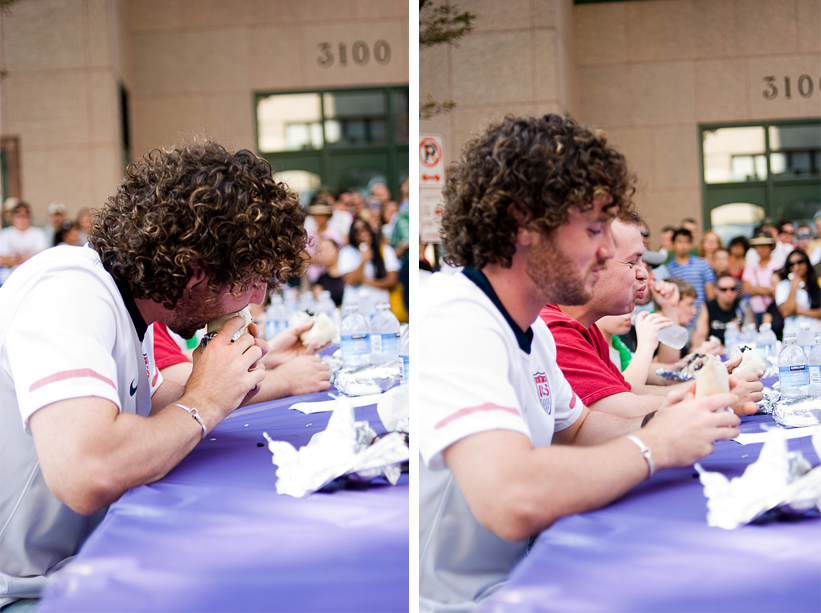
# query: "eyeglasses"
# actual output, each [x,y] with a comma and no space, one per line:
[726,289]
[796,263]
[801,236]
[645,233]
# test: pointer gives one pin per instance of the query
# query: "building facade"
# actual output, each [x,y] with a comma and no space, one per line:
[87,86]
[715,103]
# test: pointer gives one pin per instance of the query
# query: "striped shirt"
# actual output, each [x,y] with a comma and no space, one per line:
[696,272]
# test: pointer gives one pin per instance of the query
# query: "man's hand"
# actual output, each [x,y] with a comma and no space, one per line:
[648,326]
[665,294]
[304,374]
[749,390]
[225,374]
[712,346]
[684,429]
[286,346]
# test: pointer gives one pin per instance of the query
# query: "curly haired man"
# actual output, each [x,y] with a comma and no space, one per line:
[527,214]
[192,234]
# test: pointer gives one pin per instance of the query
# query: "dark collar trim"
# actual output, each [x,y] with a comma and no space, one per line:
[131,306]
[524,338]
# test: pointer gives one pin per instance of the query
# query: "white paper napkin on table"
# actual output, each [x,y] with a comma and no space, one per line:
[763,437]
[328,405]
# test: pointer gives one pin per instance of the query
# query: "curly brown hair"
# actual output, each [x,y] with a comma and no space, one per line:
[198,203]
[548,165]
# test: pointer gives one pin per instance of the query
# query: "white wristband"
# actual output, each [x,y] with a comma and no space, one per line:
[645,451]
[195,414]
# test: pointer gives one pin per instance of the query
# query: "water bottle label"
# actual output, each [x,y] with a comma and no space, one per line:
[355,345]
[404,370]
[385,344]
[270,328]
[793,376]
[815,375]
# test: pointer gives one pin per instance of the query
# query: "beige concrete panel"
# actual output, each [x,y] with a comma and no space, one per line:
[218,60]
[46,108]
[56,174]
[638,146]
[761,27]
[105,112]
[374,9]
[42,35]
[493,68]
[121,45]
[469,122]
[663,93]
[721,90]
[160,66]
[546,57]
[604,92]
[276,58]
[434,77]
[550,13]
[319,11]
[221,14]
[231,120]
[108,172]
[662,207]
[599,33]
[160,121]
[677,157]
[493,15]
[155,15]
[663,30]
[368,71]
[100,32]
[809,25]
[563,17]
[779,105]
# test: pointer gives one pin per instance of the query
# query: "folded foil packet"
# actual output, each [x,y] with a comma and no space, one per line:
[367,379]
[780,482]
[346,447]
[797,412]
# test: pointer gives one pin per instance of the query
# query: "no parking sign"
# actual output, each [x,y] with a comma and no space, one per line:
[431,182]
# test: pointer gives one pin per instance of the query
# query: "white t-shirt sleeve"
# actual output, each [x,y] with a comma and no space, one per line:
[565,403]
[60,350]
[349,259]
[464,387]
[392,262]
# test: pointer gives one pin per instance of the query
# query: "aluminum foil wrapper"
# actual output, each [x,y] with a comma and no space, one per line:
[771,396]
[367,379]
[333,362]
[394,409]
[779,482]
[797,412]
[345,447]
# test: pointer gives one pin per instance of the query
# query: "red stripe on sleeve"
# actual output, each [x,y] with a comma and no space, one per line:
[71,374]
[470,410]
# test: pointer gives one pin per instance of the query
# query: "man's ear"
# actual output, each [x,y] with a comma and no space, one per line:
[519,212]
[198,276]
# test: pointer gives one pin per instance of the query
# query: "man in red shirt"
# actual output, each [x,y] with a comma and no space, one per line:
[583,353]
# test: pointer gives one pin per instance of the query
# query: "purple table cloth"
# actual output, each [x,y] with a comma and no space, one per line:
[652,551]
[213,534]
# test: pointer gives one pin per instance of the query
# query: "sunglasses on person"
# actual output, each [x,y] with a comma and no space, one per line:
[645,233]
[792,263]
[802,236]
[726,289]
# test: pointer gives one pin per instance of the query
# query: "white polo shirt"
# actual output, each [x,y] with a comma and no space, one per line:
[478,372]
[66,331]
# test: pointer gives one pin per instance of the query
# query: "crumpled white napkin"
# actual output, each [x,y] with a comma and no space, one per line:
[344,447]
[777,479]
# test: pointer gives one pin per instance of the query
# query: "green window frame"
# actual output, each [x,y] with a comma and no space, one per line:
[791,196]
[342,162]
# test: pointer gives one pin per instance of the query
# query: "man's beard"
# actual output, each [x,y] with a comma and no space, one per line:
[193,317]
[558,276]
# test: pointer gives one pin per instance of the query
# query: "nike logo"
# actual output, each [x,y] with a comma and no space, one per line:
[133,388]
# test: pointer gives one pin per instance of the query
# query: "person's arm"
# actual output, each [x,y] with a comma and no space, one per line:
[516,491]
[630,404]
[702,328]
[286,346]
[90,453]
[666,295]
[390,279]
[648,326]
[789,306]
[709,291]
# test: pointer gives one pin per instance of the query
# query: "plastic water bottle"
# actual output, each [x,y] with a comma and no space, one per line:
[404,353]
[366,305]
[793,372]
[674,336]
[276,317]
[307,303]
[325,304]
[355,341]
[805,338]
[290,301]
[765,341]
[814,360]
[747,337]
[384,335]
[731,339]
